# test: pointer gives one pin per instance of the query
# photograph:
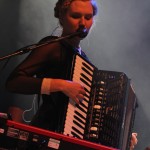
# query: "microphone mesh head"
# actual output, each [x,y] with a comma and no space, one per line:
[83,32]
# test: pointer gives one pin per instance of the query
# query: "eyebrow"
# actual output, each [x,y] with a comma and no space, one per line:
[78,13]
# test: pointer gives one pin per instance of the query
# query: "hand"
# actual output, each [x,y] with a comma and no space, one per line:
[133,141]
[74,90]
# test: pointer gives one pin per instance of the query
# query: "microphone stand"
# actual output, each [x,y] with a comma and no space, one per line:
[82,32]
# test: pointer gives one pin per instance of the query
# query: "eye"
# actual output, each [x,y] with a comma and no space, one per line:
[88,17]
[75,15]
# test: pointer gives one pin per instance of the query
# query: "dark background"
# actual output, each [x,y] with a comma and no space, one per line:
[119,41]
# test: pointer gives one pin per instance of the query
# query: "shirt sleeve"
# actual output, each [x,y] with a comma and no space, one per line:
[46,86]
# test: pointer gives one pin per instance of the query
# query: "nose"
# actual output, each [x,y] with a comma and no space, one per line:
[82,21]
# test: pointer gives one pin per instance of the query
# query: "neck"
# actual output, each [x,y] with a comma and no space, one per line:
[75,41]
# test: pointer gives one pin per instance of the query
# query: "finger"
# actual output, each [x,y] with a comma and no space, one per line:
[134,138]
[77,100]
[133,142]
[82,92]
[135,134]
[80,97]
[131,145]
[82,86]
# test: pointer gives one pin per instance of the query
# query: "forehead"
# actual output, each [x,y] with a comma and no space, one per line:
[81,6]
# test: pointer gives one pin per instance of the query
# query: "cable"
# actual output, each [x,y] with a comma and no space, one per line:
[33,107]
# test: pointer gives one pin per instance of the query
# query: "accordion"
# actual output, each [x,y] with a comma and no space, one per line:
[106,114]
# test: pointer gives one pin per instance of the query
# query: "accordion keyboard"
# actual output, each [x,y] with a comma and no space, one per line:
[76,114]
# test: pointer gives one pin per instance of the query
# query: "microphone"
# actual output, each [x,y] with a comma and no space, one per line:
[83,32]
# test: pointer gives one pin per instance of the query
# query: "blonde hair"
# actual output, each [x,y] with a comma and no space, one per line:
[62,6]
